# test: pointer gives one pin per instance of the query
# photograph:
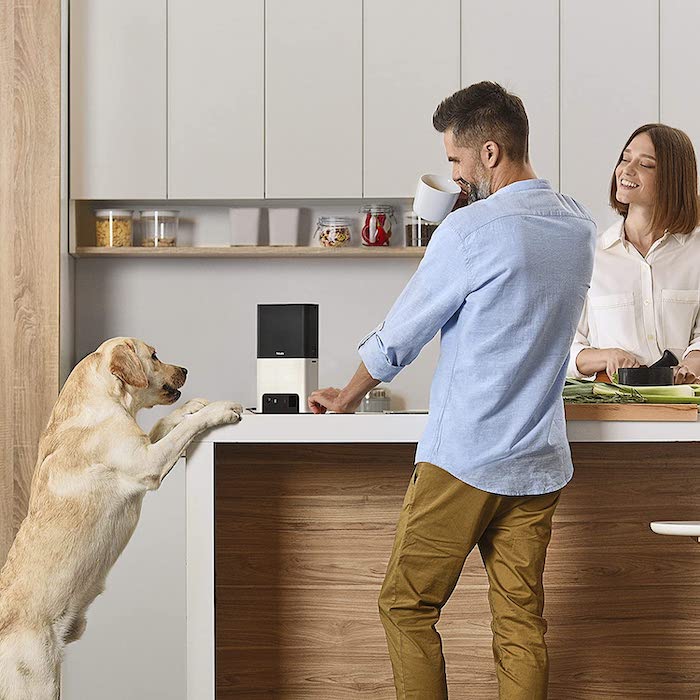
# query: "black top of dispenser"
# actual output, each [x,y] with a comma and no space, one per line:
[288,330]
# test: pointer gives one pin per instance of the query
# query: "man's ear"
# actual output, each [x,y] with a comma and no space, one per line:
[126,365]
[490,154]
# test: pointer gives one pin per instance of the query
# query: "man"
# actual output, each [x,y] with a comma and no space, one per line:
[504,280]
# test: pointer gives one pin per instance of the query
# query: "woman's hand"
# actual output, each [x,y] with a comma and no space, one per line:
[682,374]
[616,358]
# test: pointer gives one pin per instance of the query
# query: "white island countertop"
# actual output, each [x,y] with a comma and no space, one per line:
[331,428]
[374,427]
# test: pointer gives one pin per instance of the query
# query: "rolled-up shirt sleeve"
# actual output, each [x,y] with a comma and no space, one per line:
[581,342]
[695,338]
[432,296]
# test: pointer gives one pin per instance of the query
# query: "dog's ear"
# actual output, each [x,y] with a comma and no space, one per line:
[126,365]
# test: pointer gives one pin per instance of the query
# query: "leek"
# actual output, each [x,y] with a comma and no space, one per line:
[586,391]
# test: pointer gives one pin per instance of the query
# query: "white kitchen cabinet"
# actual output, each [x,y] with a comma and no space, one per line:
[117,99]
[609,87]
[411,63]
[313,98]
[215,99]
[680,66]
[524,59]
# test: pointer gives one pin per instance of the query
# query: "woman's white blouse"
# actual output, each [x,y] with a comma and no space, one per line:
[642,305]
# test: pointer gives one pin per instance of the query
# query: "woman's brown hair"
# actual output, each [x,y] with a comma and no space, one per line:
[676,209]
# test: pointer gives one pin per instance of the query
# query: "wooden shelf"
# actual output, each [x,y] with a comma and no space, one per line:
[249,252]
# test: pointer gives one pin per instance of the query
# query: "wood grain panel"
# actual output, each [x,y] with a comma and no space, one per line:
[303,536]
[29,243]
[632,412]
[7,334]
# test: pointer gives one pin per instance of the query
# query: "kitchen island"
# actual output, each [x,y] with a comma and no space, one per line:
[290,522]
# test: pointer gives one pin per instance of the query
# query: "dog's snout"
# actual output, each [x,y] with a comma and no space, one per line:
[184,370]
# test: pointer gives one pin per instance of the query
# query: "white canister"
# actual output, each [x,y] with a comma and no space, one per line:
[284,226]
[245,225]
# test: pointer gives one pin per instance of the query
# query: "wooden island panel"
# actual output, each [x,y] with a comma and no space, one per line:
[304,532]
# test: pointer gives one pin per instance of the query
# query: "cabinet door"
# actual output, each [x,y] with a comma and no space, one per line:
[680,66]
[215,99]
[117,99]
[313,98]
[411,63]
[606,92]
[524,65]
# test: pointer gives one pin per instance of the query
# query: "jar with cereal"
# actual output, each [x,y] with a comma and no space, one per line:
[159,228]
[334,231]
[113,228]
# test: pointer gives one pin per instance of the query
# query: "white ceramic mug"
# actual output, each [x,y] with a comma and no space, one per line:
[435,197]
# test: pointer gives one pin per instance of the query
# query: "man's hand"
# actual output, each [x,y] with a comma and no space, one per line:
[345,400]
[331,399]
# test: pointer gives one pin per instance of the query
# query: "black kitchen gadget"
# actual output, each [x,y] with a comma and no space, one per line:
[288,330]
[280,403]
[287,362]
[658,374]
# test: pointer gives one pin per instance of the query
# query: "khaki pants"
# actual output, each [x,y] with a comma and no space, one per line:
[441,520]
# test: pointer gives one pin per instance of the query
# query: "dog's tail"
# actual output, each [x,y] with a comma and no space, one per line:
[29,665]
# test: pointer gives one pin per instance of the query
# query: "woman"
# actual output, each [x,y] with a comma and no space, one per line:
[645,291]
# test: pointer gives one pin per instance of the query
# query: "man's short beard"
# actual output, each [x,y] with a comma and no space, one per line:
[482,189]
[476,191]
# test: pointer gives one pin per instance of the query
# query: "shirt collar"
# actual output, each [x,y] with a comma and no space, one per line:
[612,235]
[681,237]
[615,234]
[522,185]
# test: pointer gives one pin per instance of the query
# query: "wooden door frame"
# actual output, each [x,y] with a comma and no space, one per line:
[30,242]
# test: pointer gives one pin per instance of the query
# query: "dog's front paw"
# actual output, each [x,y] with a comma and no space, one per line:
[223,413]
[194,405]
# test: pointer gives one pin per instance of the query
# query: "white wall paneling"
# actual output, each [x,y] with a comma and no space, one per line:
[117,99]
[134,647]
[313,98]
[680,66]
[411,62]
[215,99]
[609,87]
[516,44]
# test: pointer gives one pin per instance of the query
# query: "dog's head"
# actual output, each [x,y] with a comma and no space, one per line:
[142,375]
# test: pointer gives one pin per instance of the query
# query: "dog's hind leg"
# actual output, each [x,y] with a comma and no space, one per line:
[29,666]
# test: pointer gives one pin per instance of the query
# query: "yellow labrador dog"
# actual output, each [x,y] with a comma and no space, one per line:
[94,467]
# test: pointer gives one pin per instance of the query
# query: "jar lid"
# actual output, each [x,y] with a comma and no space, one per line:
[160,213]
[377,209]
[376,394]
[112,212]
[335,221]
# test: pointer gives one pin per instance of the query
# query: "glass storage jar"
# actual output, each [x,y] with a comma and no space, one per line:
[113,228]
[376,224]
[418,231]
[375,401]
[159,228]
[334,231]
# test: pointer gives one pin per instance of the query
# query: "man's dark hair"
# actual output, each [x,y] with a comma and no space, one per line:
[486,112]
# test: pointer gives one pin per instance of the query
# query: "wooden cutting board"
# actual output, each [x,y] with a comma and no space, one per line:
[632,411]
